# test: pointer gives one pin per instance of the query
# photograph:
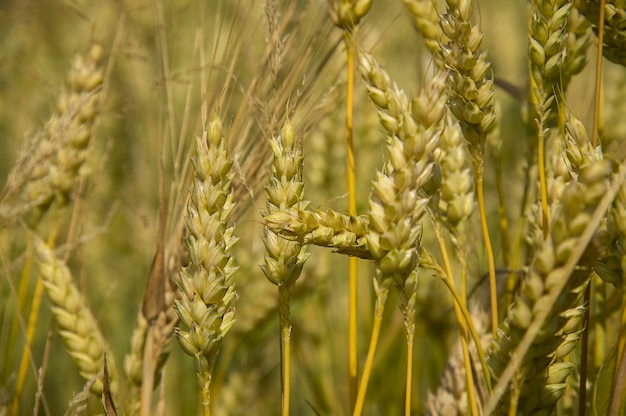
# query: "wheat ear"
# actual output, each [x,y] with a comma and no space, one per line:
[614,37]
[472,102]
[426,18]
[541,378]
[284,259]
[50,161]
[399,198]
[78,327]
[206,285]
[343,232]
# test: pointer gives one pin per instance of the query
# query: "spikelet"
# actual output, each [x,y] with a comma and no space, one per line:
[206,285]
[78,327]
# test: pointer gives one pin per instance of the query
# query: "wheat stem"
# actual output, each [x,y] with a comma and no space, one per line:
[409,373]
[352,261]
[371,352]
[469,381]
[502,213]
[478,164]
[32,326]
[598,84]
[427,262]
[541,161]
[286,368]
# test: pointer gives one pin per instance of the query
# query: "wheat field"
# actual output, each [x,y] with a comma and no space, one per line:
[313,207]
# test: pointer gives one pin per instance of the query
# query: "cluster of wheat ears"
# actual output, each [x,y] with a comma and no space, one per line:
[293,196]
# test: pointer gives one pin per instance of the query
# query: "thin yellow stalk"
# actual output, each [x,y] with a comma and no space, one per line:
[369,361]
[542,180]
[488,249]
[504,221]
[352,265]
[584,353]
[599,330]
[596,106]
[594,142]
[470,325]
[21,299]
[286,347]
[618,383]
[469,381]
[30,334]
[409,373]
[205,395]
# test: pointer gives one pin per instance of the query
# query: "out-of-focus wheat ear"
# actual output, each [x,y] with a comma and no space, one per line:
[81,100]
[133,365]
[450,398]
[78,328]
[455,202]
[206,306]
[347,14]
[548,39]
[614,37]
[579,39]
[50,161]
[426,17]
